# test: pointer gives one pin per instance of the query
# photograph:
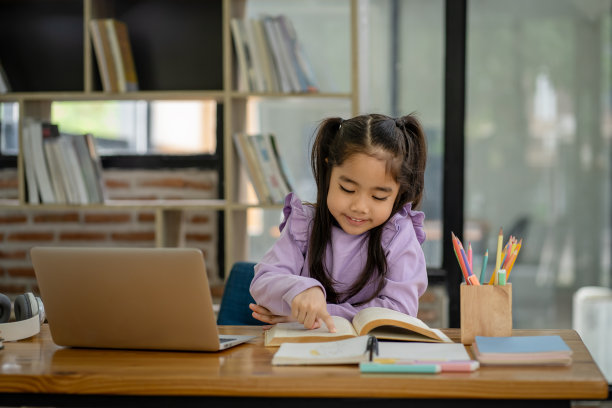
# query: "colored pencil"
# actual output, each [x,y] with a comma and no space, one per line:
[457,249]
[484,267]
[500,239]
[511,264]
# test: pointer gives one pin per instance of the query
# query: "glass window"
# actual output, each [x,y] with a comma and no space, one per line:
[402,71]
[141,127]
[538,147]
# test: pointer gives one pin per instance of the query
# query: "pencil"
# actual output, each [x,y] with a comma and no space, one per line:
[469,255]
[500,239]
[459,258]
[484,267]
[514,255]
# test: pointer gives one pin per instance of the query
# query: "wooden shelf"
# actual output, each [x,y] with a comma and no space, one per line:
[183,50]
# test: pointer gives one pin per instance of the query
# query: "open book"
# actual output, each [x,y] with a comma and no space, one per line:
[377,321]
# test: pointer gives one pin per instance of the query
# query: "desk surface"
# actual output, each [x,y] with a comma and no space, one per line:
[38,365]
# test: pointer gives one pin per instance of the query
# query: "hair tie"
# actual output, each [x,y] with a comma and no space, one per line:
[341,121]
[398,122]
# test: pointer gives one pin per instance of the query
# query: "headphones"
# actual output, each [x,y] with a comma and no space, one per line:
[29,315]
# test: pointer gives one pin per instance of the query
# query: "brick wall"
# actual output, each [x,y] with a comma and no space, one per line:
[22,229]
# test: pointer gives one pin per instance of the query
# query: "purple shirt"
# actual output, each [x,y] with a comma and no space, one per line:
[283,271]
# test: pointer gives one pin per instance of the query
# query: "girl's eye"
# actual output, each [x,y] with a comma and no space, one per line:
[345,190]
[380,198]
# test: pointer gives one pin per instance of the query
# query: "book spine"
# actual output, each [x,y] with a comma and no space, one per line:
[242,68]
[270,30]
[116,53]
[43,179]
[127,58]
[264,158]
[29,163]
[250,161]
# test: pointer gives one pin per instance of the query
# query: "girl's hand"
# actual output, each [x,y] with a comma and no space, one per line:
[264,315]
[310,308]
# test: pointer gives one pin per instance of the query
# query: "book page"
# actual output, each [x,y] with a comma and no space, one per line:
[296,332]
[347,351]
[423,351]
[364,320]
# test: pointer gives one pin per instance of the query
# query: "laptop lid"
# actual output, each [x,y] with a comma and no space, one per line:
[135,298]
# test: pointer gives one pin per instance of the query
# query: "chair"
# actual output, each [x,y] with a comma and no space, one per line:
[234,309]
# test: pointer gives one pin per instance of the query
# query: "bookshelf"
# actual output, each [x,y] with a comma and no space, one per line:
[183,50]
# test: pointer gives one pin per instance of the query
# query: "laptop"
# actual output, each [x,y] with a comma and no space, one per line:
[128,298]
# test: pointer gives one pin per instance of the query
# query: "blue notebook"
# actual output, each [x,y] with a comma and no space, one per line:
[530,350]
[523,344]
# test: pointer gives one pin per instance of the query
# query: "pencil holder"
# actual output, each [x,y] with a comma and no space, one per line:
[486,310]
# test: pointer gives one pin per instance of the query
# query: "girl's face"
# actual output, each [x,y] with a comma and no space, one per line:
[361,193]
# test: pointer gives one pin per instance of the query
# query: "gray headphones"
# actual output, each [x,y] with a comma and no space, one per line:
[29,314]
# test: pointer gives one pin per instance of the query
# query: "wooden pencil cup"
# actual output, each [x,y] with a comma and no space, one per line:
[486,310]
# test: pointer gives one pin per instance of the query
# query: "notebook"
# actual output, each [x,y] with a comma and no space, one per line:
[128,298]
[523,350]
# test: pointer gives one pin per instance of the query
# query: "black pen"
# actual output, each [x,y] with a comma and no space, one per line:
[372,346]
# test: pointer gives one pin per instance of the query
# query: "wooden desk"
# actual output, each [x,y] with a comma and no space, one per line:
[37,372]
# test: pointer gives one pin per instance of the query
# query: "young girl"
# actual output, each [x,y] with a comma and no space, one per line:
[360,244]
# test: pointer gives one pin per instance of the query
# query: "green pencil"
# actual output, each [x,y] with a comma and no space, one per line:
[484,267]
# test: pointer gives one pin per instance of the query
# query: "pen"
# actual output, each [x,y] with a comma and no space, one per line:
[372,347]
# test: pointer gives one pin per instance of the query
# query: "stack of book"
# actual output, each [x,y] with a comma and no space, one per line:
[114,54]
[267,170]
[270,56]
[60,168]
[523,350]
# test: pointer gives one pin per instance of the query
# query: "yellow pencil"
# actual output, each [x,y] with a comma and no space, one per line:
[514,255]
[500,239]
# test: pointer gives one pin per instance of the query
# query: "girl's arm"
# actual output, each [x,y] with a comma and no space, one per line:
[277,277]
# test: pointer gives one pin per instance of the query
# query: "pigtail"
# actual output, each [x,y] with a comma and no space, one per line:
[321,164]
[415,159]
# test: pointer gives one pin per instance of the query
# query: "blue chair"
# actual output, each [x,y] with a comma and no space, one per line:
[234,309]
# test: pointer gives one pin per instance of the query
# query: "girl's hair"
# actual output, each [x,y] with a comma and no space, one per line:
[401,142]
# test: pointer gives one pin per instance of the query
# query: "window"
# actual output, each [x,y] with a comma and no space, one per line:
[129,127]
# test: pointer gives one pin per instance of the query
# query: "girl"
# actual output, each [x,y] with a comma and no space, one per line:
[360,244]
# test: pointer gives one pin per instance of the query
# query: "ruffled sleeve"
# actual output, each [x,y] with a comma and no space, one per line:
[278,276]
[405,217]
[297,218]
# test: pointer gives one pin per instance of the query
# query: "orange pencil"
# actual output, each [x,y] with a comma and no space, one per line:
[456,247]
[511,264]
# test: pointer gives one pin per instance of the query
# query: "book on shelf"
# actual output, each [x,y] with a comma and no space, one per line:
[355,350]
[123,57]
[380,322]
[104,55]
[241,57]
[60,168]
[29,161]
[35,158]
[282,78]
[260,156]
[247,156]
[5,85]
[270,169]
[270,57]
[297,56]
[113,52]
[522,350]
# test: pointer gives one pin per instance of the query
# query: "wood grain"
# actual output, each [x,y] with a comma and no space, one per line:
[38,365]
